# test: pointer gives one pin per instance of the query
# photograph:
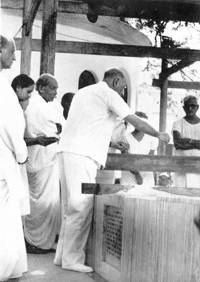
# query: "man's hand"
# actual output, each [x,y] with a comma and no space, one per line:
[163,136]
[122,146]
[138,176]
[45,141]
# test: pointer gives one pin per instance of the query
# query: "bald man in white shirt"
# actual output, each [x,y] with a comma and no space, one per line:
[13,152]
[83,149]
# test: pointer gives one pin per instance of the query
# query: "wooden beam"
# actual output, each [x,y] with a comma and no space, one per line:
[25,66]
[13,5]
[30,16]
[100,189]
[178,84]
[178,66]
[116,50]
[49,19]
[191,192]
[73,7]
[152,163]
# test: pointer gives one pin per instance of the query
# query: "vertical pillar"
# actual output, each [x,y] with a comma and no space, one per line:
[49,19]
[163,105]
[25,66]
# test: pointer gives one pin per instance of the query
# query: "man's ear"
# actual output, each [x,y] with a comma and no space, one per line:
[115,82]
[41,89]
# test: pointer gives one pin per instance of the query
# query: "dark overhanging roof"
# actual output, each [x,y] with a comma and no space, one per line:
[175,10]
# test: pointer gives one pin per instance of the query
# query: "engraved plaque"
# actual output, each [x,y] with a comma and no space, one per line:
[112,235]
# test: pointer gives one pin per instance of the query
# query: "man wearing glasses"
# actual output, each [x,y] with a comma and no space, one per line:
[186,136]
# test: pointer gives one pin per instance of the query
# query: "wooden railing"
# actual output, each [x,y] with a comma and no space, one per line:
[146,163]
[152,163]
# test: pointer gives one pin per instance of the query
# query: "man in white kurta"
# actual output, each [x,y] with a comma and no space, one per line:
[186,133]
[13,259]
[143,144]
[42,225]
[84,145]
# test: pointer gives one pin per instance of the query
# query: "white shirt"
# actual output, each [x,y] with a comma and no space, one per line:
[12,145]
[91,120]
[12,122]
[40,121]
[187,130]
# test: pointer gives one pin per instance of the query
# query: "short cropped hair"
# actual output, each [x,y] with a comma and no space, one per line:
[189,97]
[111,73]
[23,81]
[44,80]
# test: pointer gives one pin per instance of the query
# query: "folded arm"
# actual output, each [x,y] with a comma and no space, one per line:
[181,143]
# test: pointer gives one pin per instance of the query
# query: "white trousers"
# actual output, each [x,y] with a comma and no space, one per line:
[77,208]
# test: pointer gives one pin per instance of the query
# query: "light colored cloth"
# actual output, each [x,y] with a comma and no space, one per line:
[84,145]
[40,121]
[118,135]
[139,147]
[43,224]
[25,198]
[187,130]
[77,208]
[13,259]
[91,120]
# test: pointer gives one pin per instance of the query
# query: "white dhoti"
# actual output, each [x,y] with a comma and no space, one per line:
[13,259]
[43,223]
[78,208]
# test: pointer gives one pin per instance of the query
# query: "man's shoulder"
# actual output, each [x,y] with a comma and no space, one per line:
[35,104]
[177,123]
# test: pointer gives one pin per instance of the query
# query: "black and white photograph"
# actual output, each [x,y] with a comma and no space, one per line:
[100,140]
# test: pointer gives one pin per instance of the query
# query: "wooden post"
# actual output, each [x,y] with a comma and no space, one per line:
[47,61]
[163,105]
[25,66]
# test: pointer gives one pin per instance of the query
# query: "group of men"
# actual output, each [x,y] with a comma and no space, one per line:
[83,145]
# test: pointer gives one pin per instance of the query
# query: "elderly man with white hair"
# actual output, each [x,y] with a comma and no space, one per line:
[13,152]
[42,225]
[84,145]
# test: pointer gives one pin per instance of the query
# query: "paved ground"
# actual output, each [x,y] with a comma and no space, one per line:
[41,268]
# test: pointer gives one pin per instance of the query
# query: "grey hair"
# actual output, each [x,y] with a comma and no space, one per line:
[4,41]
[111,73]
[44,80]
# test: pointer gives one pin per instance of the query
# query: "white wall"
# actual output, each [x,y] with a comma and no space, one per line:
[68,67]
